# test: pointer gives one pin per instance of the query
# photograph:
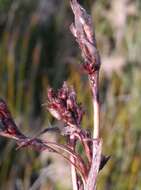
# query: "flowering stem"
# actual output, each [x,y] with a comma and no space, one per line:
[73,169]
[73,175]
[93,173]
[82,29]
[96,105]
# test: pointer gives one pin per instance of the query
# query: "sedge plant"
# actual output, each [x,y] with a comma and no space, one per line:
[63,106]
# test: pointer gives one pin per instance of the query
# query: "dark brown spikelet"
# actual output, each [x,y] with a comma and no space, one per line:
[82,29]
[63,105]
[8,127]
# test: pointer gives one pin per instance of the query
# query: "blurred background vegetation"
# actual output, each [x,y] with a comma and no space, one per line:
[37,50]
